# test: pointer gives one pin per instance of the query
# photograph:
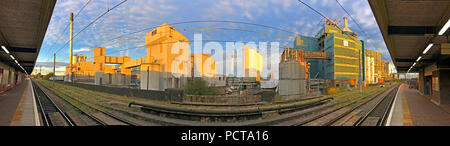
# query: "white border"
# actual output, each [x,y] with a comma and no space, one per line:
[36,114]
[388,123]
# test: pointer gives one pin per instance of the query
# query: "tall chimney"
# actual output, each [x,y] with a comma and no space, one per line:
[346,25]
[345,22]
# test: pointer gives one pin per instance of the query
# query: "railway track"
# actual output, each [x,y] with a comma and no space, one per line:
[320,112]
[224,115]
[378,114]
[317,112]
[51,114]
[369,111]
[49,108]
[105,117]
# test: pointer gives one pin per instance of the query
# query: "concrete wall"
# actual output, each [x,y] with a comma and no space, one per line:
[444,86]
[421,81]
[98,78]
[120,79]
[83,78]
[9,75]
[292,78]
[102,78]
[106,79]
[150,80]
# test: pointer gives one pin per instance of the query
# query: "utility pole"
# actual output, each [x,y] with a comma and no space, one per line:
[54,66]
[360,88]
[192,69]
[71,45]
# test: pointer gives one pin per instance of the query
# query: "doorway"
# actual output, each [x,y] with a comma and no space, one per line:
[428,85]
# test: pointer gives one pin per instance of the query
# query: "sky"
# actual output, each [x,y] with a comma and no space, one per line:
[113,30]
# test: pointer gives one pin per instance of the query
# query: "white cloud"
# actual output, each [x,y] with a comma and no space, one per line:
[81,50]
[135,15]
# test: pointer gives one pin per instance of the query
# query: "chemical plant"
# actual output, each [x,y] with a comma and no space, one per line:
[334,57]
[332,77]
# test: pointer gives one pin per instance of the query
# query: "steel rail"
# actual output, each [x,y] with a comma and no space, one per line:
[362,119]
[44,114]
[367,100]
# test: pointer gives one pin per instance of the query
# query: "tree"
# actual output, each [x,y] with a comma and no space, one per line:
[199,86]
[49,75]
[38,75]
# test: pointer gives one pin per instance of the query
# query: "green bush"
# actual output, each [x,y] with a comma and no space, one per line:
[199,86]
[48,75]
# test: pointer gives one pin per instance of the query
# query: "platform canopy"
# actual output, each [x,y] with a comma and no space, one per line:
[23,24]
[409,26]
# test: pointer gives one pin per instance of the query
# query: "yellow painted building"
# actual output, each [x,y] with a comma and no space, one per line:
[165,47]
[101,63]
[160,42]
[253,62]
[207,69]
[374,67]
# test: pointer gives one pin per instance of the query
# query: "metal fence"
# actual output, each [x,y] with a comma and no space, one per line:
[148,94]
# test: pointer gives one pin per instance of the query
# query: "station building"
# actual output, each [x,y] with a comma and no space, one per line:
[23,25]
[417,40]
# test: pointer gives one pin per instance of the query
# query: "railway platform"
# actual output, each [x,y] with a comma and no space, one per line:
[413,109]
[18,106]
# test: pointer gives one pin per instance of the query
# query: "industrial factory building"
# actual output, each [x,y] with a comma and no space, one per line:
[334,55]
[156,67]
[156,71]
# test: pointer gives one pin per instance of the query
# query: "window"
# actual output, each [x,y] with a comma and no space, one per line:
[345,43]
[154,32]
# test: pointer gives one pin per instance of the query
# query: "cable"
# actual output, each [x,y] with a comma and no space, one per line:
[205,21]
[92,22]
[316,11]
[209,28]
[140,46]
[109,9]
[67,26]
[313,9]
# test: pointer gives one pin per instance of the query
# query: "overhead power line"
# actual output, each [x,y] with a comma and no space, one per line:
[210,28]
[92,22]
[313,9]
[140,46]
[357,24]
[67,26]
[325,17]
[205,21]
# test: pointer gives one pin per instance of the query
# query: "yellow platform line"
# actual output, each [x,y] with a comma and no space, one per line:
[16,120]
[407,121]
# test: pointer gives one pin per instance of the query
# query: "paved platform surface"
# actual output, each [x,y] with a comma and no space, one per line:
[413,109]
[17,106]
